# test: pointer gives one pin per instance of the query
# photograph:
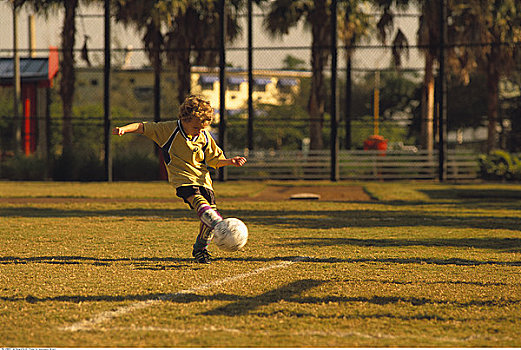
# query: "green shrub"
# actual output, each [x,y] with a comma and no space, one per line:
[135,167]
[516,169]
[500,165]
[79,165]
[23,168]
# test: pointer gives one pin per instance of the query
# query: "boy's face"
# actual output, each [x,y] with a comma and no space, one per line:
[194,126]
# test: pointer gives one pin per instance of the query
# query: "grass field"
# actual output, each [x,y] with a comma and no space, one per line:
[109,265]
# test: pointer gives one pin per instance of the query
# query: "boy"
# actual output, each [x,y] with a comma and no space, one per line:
[188,150]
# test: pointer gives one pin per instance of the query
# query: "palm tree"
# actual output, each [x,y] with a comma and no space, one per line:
[385,27]
[67,70]
[148,16]
[355,26]
[428,38]
[68,76]
[285,14]
[493,30]
[193,38]
[179,28]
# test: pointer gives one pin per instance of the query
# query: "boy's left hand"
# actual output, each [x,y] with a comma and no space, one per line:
[238,161]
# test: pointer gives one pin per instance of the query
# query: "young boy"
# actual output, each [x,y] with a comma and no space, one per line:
[188,150]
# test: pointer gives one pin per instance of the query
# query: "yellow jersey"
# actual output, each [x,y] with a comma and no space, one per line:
[187,159]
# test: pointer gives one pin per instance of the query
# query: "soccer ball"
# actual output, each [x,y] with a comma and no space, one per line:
[230,235]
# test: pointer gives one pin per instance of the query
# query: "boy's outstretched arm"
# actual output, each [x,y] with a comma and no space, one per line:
[235,161]
[130,128]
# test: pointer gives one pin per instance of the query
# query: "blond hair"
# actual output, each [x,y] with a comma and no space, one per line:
[195,107]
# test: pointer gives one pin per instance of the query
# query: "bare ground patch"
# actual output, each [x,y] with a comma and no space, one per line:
[325,193]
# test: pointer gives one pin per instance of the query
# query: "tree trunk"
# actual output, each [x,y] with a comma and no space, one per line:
[183,67]
[316,103]
[67,71]
[427,108]
[492,104]
[319,57]
[178,43]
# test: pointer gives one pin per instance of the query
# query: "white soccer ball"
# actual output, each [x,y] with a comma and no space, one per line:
[230,235]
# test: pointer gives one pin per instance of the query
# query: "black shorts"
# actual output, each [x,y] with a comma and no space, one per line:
[190,190]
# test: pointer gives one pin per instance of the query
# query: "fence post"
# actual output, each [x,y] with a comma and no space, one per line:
[348,108]
[442,95]
[334,105]
[250,77]
[106,96]
[222,85]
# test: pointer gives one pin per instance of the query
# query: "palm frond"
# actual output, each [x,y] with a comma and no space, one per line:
[400,47]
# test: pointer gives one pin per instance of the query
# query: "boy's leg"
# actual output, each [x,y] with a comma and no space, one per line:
[200,248]
[205,233]
[203,202]
[206,212]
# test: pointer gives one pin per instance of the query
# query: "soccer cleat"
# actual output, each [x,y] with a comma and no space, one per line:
[202,256]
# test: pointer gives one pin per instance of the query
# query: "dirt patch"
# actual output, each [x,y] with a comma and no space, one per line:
[325,193]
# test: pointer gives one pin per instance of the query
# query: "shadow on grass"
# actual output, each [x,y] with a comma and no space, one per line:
[421,316]
[463,193]
[290,293]
[154,263]
[331,219]
[304,218]
[247,304]
[511,244]
[466,204]
[179,298]
[33,212]
[189,262]
[467,283]
[385,300]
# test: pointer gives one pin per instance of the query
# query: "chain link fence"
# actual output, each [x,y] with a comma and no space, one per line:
[385,99]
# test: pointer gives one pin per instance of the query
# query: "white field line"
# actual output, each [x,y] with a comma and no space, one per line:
[106,316]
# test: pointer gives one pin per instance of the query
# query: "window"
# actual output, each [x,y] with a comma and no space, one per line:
[234,83]
[206,81]
[259,84]
[207,86]
[285,85]
[144,92]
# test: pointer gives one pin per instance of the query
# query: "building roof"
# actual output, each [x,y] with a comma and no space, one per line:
[208,79]
[261,81]
[236,80]
[287,82]
[32,69]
